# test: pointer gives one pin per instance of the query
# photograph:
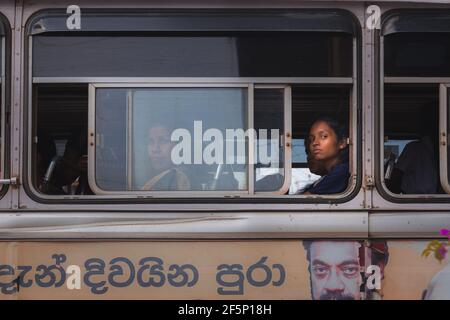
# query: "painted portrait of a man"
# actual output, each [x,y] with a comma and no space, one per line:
[337,268]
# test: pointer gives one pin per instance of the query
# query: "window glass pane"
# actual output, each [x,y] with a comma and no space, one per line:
[417,55]
[411,158]
[251,54]
[269,126]
[167,139]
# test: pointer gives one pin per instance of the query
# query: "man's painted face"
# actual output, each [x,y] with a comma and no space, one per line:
[159,148]
[335,270]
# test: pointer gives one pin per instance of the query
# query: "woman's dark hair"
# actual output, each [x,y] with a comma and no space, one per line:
[339,128]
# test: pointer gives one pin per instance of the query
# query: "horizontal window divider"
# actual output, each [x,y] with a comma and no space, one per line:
[177,80]
[436,80]
[205,195]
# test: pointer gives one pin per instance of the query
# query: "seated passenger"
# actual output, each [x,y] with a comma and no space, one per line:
[71,169]
[416,169]
[165,175]
[327,156]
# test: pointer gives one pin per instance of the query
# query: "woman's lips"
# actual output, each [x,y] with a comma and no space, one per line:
[316,151]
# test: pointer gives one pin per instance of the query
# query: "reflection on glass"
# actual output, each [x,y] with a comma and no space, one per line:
[171,139]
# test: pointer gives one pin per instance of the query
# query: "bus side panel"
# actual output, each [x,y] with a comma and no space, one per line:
[269,269]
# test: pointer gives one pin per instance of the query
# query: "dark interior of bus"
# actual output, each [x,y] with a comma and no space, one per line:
[62,115]
[411,113]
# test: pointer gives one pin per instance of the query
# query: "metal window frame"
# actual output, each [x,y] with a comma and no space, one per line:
[6,176]
[443,136]
[169,80]
[164,194]
[251,181]
[384,191]
[354,180]
[3,111]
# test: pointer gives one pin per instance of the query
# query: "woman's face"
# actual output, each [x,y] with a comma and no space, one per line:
[323,142]
[159,148]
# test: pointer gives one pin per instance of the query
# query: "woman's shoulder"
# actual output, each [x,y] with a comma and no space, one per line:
[339,170]
[335,181]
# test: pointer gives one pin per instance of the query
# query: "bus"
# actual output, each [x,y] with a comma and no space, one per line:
[166,150]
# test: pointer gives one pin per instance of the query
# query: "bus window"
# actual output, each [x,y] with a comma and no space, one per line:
[411,158]
[4,102]
[415,59]
[161,110]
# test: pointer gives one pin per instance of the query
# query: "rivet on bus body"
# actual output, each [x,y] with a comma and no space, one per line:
[288,144]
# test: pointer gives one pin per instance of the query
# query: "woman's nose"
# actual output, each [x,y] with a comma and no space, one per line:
[155,147]
[315,142]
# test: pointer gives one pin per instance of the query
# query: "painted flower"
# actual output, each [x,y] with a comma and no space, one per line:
[442,251]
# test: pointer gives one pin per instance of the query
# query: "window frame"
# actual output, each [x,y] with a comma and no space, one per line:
[3,107]
[382,81]
[443,136]
[190,193]
[355,127]
[5,86]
